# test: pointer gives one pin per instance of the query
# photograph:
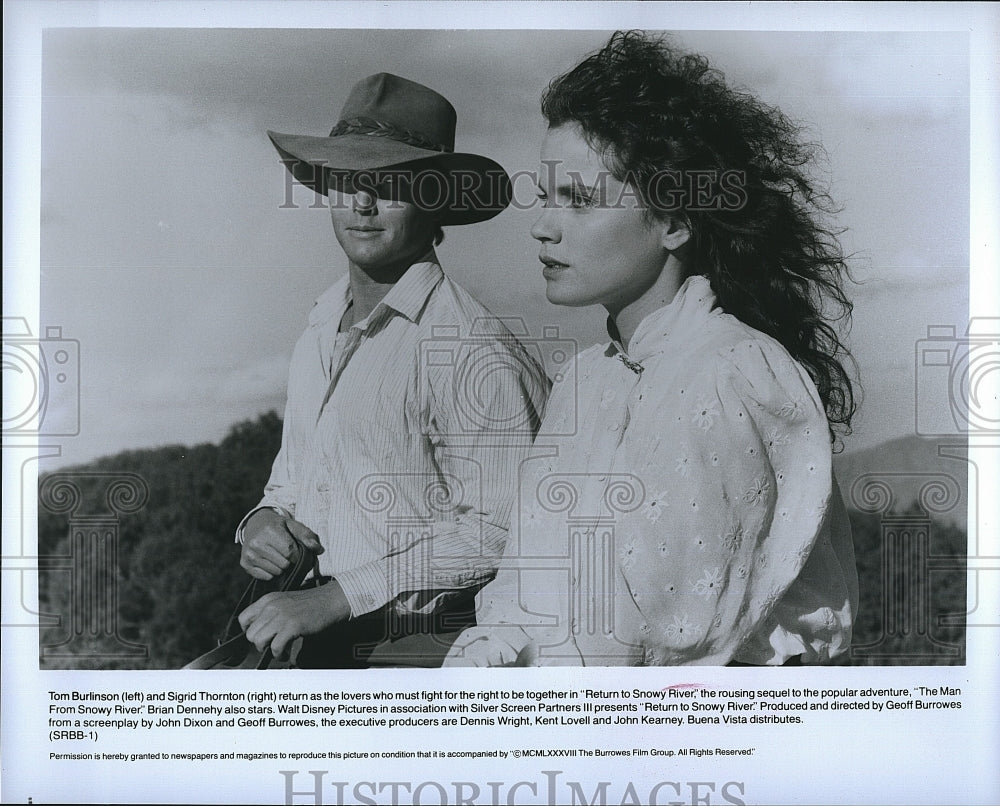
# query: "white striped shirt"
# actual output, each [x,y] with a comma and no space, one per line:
[402,440]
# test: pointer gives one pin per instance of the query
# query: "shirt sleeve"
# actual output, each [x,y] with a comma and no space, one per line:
[280,492]
[480,433]
[737,486]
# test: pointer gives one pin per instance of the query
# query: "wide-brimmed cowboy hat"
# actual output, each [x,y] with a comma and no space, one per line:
[394,127]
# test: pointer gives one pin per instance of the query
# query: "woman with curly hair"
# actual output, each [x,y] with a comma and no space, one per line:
[689,515]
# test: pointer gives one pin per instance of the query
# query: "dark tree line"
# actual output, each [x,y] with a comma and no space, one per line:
[176,576]
[913,595]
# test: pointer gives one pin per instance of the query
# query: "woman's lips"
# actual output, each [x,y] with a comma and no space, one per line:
[551,267]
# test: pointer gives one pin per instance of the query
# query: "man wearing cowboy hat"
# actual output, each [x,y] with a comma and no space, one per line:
[410,407]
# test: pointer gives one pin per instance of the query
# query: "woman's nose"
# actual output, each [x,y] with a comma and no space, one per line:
[545,229]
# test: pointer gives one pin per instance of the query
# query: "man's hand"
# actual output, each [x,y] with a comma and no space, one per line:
[509,645]
[277,619]
[270,542]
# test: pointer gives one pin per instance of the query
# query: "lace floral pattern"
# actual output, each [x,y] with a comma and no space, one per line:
[707,558]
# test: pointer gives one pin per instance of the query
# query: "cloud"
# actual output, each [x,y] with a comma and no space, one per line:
[244,387]
[902,75]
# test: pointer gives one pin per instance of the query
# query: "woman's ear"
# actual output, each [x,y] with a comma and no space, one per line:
[674,234]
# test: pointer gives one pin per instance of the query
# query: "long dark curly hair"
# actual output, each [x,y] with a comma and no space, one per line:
[756,216]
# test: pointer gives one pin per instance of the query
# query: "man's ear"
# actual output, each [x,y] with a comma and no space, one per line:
[674,233]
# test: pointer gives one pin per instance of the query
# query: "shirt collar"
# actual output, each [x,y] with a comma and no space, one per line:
[407,297]
[693,300]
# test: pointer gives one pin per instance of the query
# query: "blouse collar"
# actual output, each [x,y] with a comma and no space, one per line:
[693,301]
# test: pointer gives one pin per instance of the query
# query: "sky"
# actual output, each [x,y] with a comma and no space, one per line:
[170,254]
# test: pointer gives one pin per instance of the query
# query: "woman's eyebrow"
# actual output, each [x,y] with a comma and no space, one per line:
[573,187]
[576,187]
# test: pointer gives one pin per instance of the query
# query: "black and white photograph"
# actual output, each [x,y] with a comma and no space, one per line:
[358,354]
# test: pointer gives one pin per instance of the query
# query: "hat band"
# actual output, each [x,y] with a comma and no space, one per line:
[378,128]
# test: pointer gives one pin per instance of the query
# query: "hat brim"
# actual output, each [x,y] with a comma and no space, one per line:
[461,188]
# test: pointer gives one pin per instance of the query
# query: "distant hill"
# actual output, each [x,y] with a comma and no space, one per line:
[908,465]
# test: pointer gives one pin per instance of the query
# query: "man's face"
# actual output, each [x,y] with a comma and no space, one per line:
[380,236]
[598,245]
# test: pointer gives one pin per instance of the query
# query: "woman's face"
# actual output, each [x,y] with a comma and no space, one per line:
[598,245]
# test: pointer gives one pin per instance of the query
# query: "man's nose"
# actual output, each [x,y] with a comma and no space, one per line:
[365,203]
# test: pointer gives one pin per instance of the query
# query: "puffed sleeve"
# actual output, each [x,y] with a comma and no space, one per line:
[738,480]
